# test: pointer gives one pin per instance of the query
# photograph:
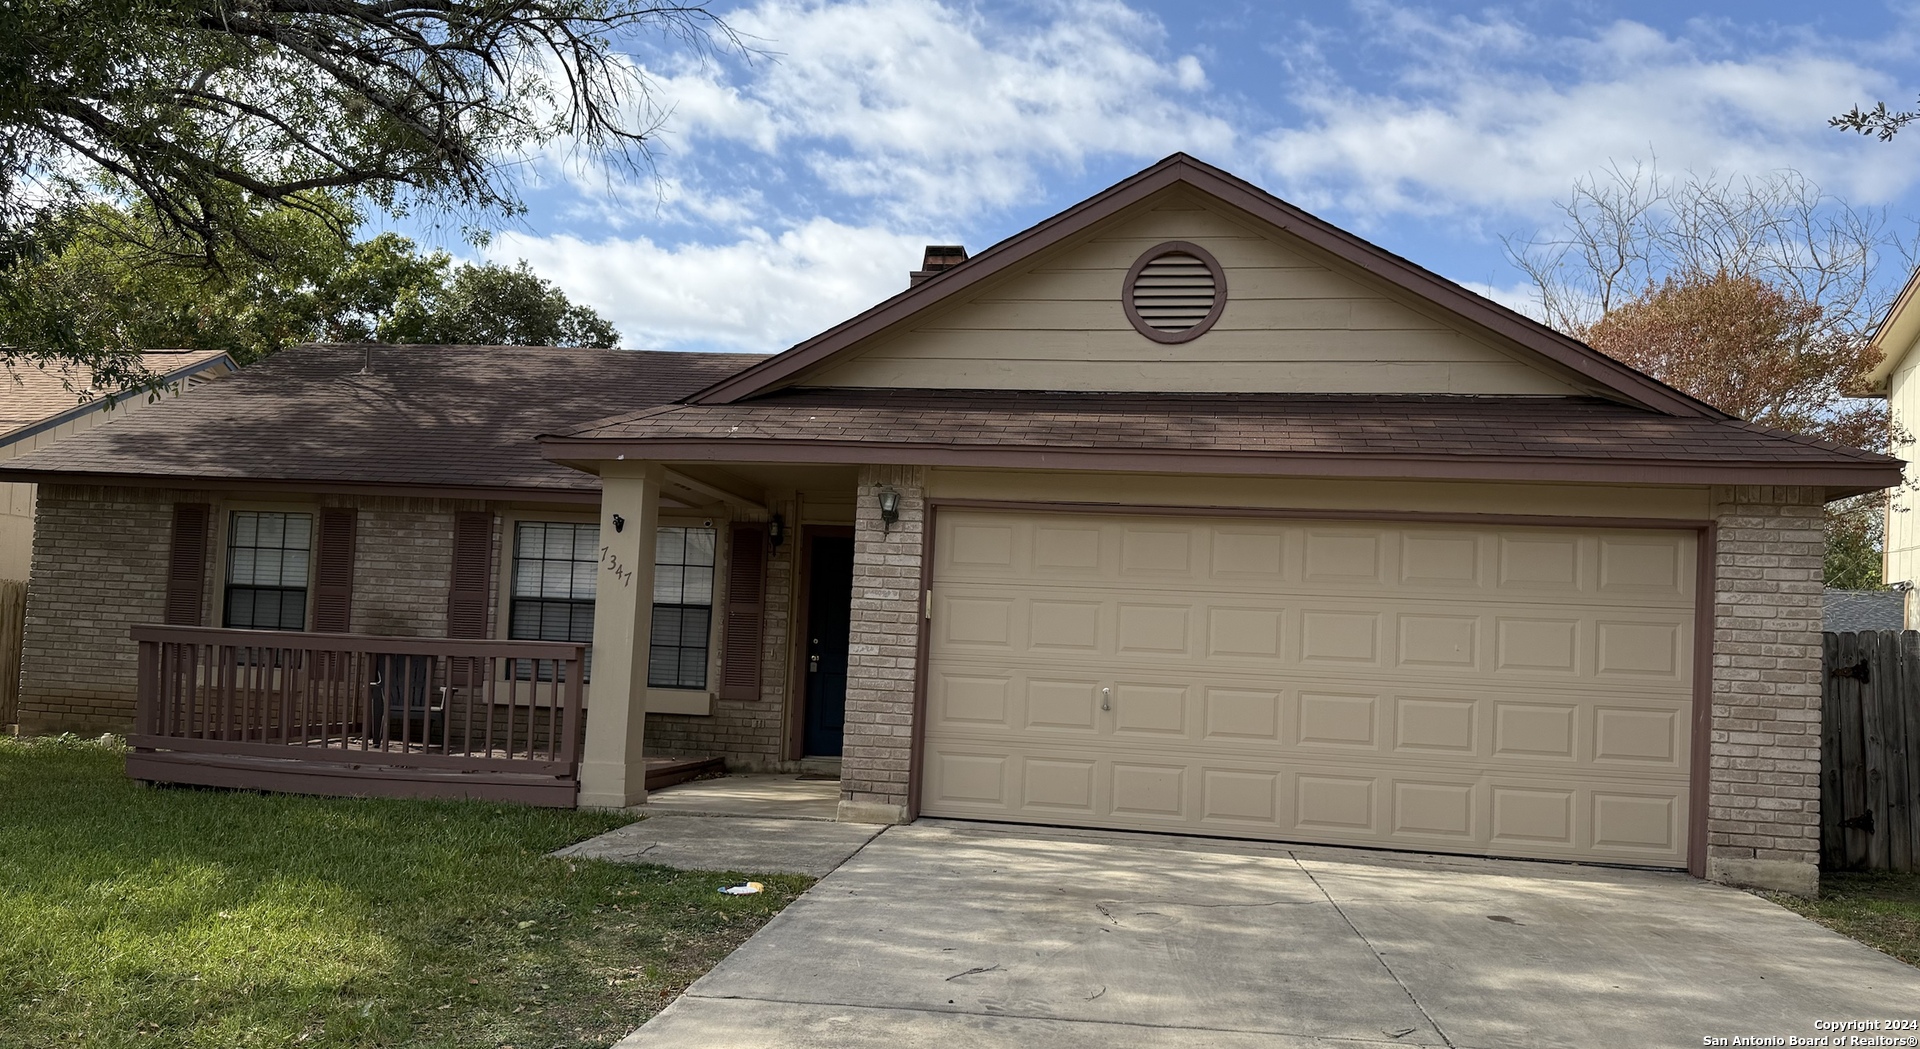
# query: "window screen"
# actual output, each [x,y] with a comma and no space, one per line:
[682,608]
[267,560]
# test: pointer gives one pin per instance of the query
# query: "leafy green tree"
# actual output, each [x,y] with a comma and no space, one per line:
[238,134]
[1856,534]
[1880,121]
[126,291]
[494,305]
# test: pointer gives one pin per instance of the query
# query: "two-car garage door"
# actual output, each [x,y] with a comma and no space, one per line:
[1504,691]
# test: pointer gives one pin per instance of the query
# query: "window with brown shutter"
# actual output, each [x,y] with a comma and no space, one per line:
[472,572]
[187,564]
[746,607]
[333,571]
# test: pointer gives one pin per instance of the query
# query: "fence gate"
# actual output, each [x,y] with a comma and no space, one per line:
[1870,752]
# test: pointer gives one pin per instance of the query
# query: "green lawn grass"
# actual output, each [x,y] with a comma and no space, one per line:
[1880,909]
[168,917]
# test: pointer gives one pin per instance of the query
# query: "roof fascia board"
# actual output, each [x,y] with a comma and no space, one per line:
[281,485]
[1583,360]
[1896,335]
[81,411]
[584,453]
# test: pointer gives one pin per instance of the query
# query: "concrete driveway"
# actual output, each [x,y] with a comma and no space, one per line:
[945,934]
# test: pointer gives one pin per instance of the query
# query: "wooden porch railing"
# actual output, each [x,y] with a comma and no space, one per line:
[359,715]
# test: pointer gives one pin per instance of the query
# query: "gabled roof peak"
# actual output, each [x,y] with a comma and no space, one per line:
[1182,170]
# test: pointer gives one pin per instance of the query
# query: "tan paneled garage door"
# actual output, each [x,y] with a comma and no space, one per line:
[1514,692]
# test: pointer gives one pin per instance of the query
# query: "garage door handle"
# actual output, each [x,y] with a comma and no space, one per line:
[1106,695]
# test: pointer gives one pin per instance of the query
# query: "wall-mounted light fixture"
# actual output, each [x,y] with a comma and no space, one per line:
[619,523]
[889,508]
[777,531]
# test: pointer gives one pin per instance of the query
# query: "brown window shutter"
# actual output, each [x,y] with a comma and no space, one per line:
[472,571]
[187,564]
[333,571]
[746,607]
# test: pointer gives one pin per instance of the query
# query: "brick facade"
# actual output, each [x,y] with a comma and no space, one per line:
[402,562]
[883,656]
[100,568]
[1763,806]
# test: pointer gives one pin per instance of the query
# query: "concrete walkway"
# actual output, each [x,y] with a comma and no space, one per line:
[775,796]
[954,934]
[746,844]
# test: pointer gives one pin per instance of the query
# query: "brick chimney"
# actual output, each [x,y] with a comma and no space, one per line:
[940,258]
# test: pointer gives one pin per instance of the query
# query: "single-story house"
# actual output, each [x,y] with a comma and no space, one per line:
[1182,511]
[40,405]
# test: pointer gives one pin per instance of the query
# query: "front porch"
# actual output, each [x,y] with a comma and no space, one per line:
[356,715]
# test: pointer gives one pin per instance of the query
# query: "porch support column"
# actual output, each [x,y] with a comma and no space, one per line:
[883,658]
[613,770]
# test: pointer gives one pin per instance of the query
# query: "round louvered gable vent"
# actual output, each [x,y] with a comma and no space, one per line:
[1175,292]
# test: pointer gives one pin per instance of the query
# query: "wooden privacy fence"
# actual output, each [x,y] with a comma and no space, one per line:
[350,714]
[13,630]
[1870,752]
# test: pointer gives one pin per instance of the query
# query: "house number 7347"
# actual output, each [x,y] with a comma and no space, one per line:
[611,562]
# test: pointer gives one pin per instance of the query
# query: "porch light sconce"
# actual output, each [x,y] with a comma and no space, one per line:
[777,531]
[619,523]
[889,508]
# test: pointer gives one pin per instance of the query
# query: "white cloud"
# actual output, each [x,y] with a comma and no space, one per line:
[1520,298]
[800,171]
[760,293]
[1487,116]
[935,112]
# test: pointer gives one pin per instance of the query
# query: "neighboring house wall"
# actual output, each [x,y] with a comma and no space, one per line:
[100,568]
[1291,324]
[17,498]
[1903,503]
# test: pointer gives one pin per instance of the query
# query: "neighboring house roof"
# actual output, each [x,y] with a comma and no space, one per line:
[35,397]
[1298,434]
[1851,610]
[425,417]
[1180,169]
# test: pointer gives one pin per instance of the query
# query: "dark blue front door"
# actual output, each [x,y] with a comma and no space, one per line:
[829,603]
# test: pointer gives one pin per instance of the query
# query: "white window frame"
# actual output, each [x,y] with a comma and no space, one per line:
[223,540]
[697,702]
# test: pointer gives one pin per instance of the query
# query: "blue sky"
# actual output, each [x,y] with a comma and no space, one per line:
[798,188]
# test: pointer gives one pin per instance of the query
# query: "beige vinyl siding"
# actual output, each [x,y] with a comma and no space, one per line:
[1291,324]
[1903,507]
[1498,691]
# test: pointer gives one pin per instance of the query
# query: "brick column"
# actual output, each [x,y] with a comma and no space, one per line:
[884,651]
[1763,805]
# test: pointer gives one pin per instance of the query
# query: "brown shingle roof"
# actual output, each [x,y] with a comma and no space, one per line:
[30,393]
[1348,426]
[437,416]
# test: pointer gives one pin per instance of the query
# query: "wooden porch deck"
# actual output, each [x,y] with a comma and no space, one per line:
[355,715]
